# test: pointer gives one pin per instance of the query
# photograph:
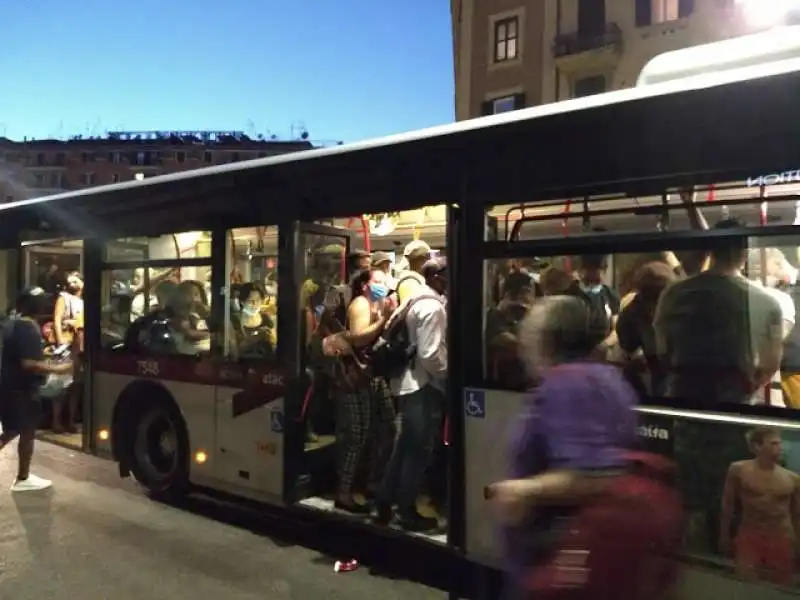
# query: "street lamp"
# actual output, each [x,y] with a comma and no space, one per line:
[766,13]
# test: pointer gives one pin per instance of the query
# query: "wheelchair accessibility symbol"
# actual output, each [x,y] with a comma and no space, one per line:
[475,404]
[276,420]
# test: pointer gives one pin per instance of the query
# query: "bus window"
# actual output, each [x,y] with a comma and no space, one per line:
[251,318]
[173,246]
[725,336]
[166,314]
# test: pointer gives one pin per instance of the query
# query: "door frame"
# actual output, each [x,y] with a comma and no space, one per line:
[292,274]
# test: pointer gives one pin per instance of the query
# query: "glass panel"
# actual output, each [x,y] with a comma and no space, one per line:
[726,335]
[512,28]
[169,314]
[512,48]
[626,212]
[501,33]
[251,318]
[503,104]
[189,244]
[740,488]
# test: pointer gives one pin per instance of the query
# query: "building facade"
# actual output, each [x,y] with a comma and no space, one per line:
[570,48]
[32,168]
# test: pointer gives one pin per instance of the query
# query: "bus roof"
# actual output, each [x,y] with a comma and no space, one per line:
[738,122]
[755,50]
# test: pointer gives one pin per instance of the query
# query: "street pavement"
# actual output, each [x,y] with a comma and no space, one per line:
[97,537]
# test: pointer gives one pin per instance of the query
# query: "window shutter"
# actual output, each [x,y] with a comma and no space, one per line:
[487,108]
[644,13]
[685,8]
[519,101]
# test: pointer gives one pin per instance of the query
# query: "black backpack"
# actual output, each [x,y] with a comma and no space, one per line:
[393,351]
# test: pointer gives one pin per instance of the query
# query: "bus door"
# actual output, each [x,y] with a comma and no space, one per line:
[320,271]
[47,265]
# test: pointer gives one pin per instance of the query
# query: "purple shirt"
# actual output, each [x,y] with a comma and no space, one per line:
[579,418]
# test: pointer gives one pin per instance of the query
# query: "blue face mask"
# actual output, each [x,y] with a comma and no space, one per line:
[249,311]
[319,309]
[378,291]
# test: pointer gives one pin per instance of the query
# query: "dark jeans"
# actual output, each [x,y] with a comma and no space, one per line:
[419,422]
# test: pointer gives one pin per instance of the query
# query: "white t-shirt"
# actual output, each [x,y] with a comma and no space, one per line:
[789,315]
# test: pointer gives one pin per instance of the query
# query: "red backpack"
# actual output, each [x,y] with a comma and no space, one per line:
[620,545]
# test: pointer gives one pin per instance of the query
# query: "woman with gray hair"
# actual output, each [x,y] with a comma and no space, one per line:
[571,447]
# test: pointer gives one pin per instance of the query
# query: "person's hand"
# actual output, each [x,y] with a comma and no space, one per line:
[70,323]
[511,499]
[389,306]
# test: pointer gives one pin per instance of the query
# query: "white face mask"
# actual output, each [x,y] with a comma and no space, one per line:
[592,289]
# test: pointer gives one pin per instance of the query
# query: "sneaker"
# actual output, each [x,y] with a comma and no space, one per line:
[31,484]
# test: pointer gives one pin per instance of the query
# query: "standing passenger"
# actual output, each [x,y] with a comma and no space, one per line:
[358,392]
[22,372]
[410,282]
[420,394]
[68,329]
[718,335]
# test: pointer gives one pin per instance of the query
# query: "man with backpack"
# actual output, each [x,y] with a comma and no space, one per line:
[416,254]
[418,331]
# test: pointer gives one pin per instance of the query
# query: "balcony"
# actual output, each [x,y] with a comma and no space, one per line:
[580,51]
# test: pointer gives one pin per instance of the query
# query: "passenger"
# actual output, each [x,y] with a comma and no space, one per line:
[22,372]
[420,395]
[769,497]
[556,281]
[253,329]
[411,282]
[117,316]
[601,297]
[163,293]
[383,262]
[502,331]
[68,312]
[188,326]
[637,337]
[357,260]
[773,277]
[68,330]
[718,335]
[790,365]
[568,534]
[362,398]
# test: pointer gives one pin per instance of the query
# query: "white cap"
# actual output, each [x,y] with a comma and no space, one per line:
[416,249]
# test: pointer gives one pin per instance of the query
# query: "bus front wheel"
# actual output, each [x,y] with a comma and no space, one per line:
[160,452]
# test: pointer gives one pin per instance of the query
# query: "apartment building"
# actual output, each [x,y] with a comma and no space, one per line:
[31,168]
[515,53]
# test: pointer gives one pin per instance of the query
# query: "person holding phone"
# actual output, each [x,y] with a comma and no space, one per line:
[23,369]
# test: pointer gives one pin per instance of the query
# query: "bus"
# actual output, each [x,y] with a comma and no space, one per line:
[629,175]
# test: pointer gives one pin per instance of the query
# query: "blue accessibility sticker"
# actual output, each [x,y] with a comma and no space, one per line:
[475,403]
[276,420]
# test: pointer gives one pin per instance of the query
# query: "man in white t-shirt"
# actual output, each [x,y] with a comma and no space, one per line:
[775,274]
[420,401]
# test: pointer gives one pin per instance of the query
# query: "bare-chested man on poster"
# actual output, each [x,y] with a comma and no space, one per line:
[769,497]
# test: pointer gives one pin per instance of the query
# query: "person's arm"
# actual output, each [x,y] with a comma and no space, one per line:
[58,320]
[361,331]
[432,337]
[796,506]
[729,493]
[769,345]
[661,324]
[29,348]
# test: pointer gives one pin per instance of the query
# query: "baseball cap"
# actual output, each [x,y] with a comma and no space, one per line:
[378,258]
[416,249]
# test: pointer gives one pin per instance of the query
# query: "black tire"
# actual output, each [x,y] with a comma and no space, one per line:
[159,452]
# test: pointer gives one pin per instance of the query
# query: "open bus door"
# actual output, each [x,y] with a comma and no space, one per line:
[320,271]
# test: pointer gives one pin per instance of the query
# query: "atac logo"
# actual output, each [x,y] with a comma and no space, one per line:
[274,379]
[651,432]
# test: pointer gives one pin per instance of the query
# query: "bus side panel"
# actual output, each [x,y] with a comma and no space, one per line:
[489,417]
[107,388]
[249,453]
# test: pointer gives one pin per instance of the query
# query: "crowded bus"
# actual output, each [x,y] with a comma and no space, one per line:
[228,325]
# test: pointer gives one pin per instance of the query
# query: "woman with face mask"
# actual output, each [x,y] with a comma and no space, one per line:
[363,403]
[255,328]
[68,331]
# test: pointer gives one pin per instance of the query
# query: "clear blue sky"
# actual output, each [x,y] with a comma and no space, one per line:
[347,69]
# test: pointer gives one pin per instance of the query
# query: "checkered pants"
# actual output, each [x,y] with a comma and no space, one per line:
[365,434]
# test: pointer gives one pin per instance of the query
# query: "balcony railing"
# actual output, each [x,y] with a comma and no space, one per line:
[577,42]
